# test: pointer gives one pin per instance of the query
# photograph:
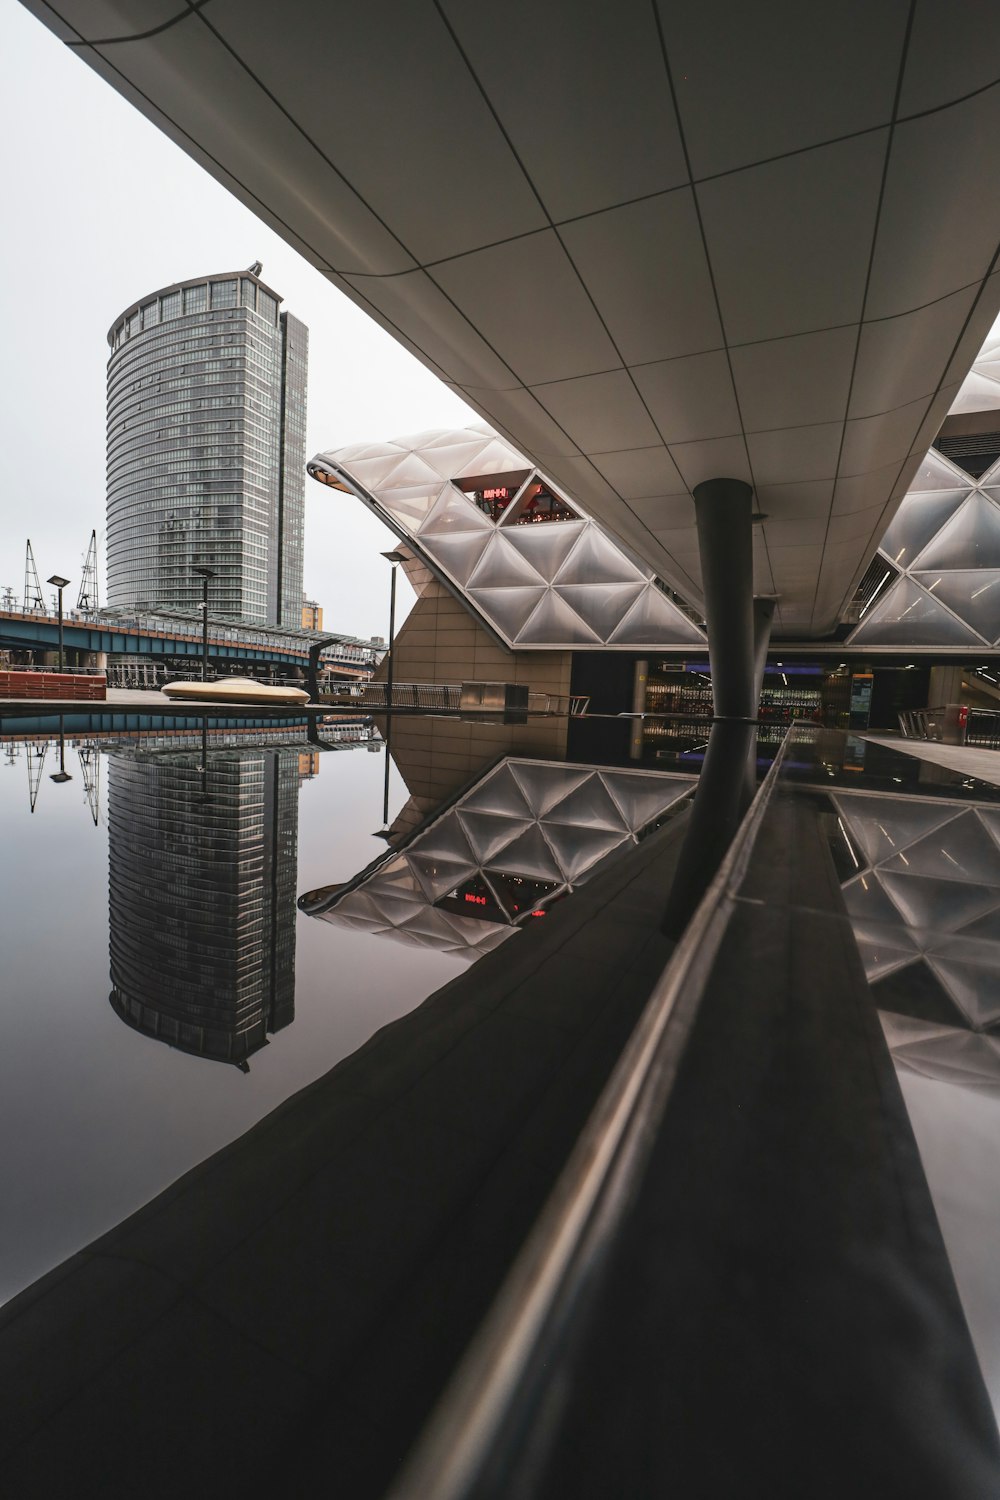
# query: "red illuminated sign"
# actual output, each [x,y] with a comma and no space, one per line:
[498,492]
[476,900]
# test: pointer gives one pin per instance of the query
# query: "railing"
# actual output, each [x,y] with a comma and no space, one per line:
[922,723]
[483,1439]
[953,724]
[982,728]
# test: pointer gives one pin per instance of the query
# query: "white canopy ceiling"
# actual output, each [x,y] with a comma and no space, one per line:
[652,243]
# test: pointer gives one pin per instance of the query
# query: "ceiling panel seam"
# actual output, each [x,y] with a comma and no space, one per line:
[191,9]
[904,52]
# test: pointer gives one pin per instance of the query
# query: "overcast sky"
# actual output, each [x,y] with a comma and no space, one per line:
[100,208]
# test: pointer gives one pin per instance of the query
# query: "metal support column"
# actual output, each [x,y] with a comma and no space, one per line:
[724,514]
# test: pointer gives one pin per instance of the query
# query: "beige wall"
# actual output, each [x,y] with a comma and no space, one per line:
[441,642]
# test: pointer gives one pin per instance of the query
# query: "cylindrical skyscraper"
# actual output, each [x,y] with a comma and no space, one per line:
[206,450]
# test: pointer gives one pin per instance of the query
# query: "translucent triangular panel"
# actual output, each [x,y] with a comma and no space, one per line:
[578,849]
[458,553]
[909,616]
[454,512]
[601,605]
[499,793]
[410,507]
[497,457]
[528,855]
[409,471]
[960,1058]
[398,877]
[916,521]
[543,785]
[643,798]
[928,904]
[588,806]
[974,988]
[555,623]
[984,929]
[508,609]
[881,958]
[654,621]
[936,473]
[596,559]
[488,834]
[971,539]
[871,912]
[978,393]
[973,593]
[884,825]
[391,911]
[451,458]
[438,876]
[546,547]
[961,850]
[502,566]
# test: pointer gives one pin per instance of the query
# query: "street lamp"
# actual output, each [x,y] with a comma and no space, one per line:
[394,557]
[60,584]
[204,574]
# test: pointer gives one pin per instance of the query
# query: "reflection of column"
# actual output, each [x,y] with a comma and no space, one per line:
[202,896]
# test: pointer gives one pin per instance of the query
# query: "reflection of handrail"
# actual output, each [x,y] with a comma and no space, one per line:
[488,1419]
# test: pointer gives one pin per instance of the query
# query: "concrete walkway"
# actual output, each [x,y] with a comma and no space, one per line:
[282,1319]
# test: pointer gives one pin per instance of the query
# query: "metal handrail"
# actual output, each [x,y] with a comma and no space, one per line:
[492,1401]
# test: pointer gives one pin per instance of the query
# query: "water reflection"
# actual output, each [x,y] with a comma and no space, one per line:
[202,861]
[464,876]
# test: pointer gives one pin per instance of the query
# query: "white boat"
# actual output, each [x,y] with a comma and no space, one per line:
[233,690]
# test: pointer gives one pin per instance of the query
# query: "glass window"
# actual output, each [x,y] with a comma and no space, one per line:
[266,305]
[249,292]
[195,299]
[171,306]
[223,293]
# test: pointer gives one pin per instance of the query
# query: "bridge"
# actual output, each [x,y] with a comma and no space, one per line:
[168,636]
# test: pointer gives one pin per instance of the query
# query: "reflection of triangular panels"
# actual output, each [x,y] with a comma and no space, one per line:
[884,825]
[974,989]
[881,958]
[601,605]
[546,546]
[918,518]
[930,905]
[488,833]
[499,793]
[971,539]
[962,850]
[544,785]
[873,915]
[654,621]
[596,559]
[579,848]
[643,798]
[528,855]
[438,876]
[973,593]
[458,553]
[454,512]
[507,609]
[502,566]
[589,805]
[909,616]
[555,623]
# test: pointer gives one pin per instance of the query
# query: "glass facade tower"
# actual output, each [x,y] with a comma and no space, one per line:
[206,451]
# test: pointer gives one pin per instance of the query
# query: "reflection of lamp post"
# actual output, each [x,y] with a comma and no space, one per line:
[394,557]
[60,584]
[62,774]
[204,574]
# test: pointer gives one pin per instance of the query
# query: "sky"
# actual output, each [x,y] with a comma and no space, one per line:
[101,208]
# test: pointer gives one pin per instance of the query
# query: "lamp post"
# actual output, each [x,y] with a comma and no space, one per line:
[62,774]
[204,574]
[395,557]
[60,584]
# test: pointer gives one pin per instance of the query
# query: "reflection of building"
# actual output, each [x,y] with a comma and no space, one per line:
[206,443]
[202,896]
[527,834]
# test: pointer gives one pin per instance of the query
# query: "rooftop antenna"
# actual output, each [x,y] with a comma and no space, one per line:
[32,587]
[87,599]
[255,269]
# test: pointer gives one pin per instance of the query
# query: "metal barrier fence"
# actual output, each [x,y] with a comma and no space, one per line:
[953,724]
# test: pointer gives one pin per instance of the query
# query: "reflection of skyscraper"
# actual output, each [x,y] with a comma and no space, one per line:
[202,896]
